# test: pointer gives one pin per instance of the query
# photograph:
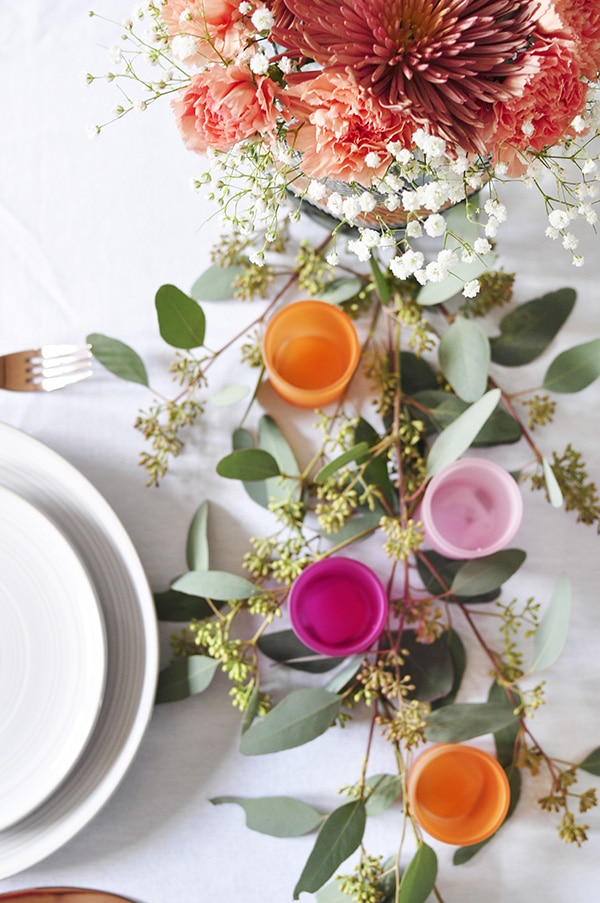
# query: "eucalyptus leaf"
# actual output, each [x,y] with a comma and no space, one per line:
[505,738]
[175,606]
[251,711]
[185,677]
[340,681]
[249,465]
[283,646]
[357,527]
[215,585]
[181,320]
[381,283]
[216,283]
[463,721]
[445,407]
[376,472]
[527,330]
[429,666]
[419,878]
[298,718]
[339,836]
[464,357]
[383,791]
[416,374]
[331,893]
[551,634]
[479,576]
[196,550]
[437,292]
[552,487]
[272,440]
[356,453]
[458,655]
[256,489]
[118,358]
[591,763]
[458,436]
[229,395]
[278,816]
[574,369]
[438,572]
[342,289]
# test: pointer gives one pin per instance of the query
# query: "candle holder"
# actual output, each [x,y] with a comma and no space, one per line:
[459,794]
[338,606]
[471,508]
[311,349]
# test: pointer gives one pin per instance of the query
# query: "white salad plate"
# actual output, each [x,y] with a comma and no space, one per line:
[52,657]
[89,525]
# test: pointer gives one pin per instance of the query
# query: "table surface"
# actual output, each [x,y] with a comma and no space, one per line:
[88,231]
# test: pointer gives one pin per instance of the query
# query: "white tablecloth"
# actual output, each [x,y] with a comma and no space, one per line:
[88,231]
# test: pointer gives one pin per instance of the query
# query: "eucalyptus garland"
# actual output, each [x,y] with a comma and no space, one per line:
[427,358]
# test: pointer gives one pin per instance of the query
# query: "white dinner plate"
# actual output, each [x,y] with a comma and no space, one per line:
[89,524]
[52,657]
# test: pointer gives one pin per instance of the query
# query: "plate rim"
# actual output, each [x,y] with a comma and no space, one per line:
[74,488]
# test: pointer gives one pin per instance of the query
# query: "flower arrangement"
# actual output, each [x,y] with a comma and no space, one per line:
[404,120]
[382,113]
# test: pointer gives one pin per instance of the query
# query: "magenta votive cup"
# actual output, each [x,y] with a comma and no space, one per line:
[338,606]
[471,508]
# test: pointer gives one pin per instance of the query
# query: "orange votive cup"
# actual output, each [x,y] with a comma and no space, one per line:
[458,794]
[311,349]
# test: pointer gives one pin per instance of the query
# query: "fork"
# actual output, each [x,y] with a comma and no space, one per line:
[45,369]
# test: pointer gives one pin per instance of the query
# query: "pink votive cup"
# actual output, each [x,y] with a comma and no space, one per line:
[471,508]
[338,606]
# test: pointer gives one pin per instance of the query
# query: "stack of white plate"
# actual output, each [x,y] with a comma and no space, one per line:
[78,651]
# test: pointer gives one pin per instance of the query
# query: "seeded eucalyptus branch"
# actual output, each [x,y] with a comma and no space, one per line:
[365,481]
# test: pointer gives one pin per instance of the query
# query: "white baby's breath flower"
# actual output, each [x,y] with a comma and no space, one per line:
[367,202]
[559,219]
[372,160]
[358,247]
[482,246]
[245,8]
[140,106]
[414,229]
[527,128]
[257,258]
[370,237]
[577,260]
[183,46]
[351,208]
[335,204]
[316,190]
[570,241]
[435,225]
[471,288]
[286,65]
[259,63]
[333,258]
[491,227]
[262,19]
[552,233]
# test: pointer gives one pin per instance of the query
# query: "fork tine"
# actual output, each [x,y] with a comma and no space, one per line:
[50,383]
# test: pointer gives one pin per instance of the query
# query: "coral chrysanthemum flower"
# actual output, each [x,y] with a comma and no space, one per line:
[443,61]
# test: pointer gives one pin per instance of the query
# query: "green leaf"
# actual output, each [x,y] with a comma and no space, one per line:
[283,646]
[119,358]
[463,721]
[229,395]
[331,893]
[419,878]
[175,606]
[197,553]
[506,737]
[462,226]
[298,718]
[216,283]
[340,681]
[339,836]
[464,356]
[181,320]
[278,816]
[437,292]
[185,677]
[456,438]
[251,711]
[438,572]
[257,490]
[445,407]
[248,464]
[416,374]
[429,666]
[551,634]
[215,585]
[272,440]
[381,283]
[384,791]
[458,655]
[552,487]
[376,472]
[343,289]
[356,453]
[527,330]
[360,526]
[483,575]
[591,763]
[574,369]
